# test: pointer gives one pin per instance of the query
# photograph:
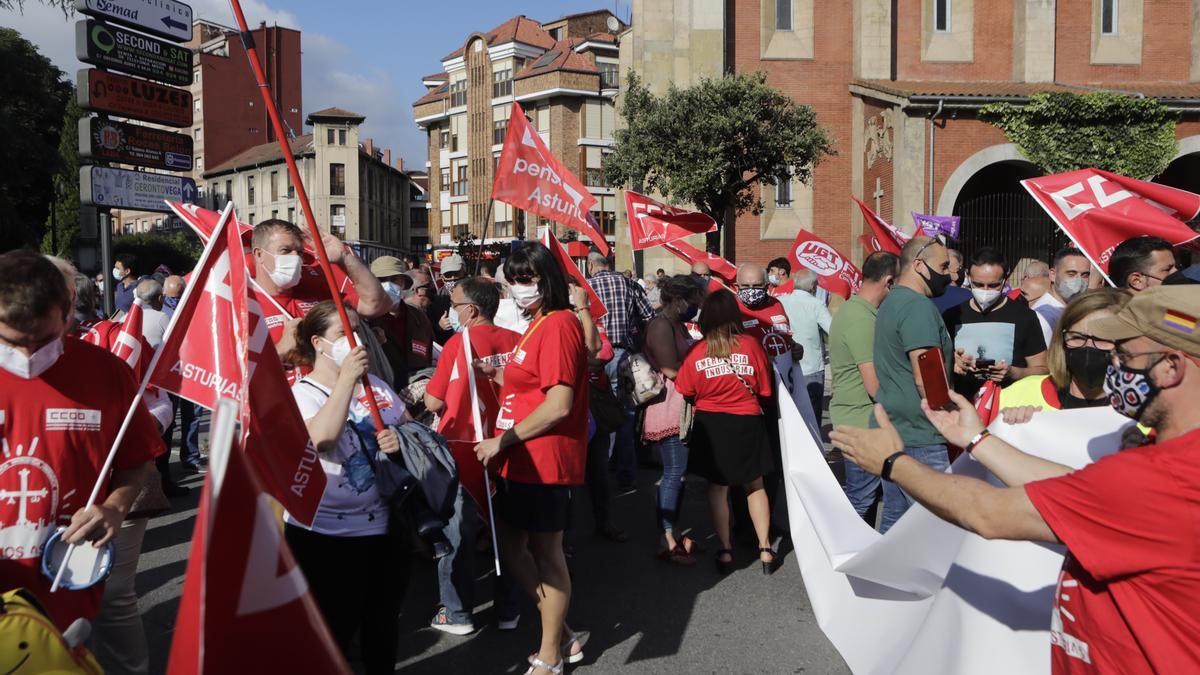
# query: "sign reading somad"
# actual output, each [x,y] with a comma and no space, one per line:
[165,18]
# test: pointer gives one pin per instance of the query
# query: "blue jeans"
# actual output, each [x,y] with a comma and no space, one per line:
[189,440]
[895,500]
[456,571]
[623,450]
[860,487]
[671,487]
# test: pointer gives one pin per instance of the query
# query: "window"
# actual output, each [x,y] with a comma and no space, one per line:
[196,75]
[274,214]
[341,136]
[337,179]
[941,15]
[198,133]
[250,190]
[196,106]
[453,142]
[610,77]
[291,191]
[445,182]
[329,136]
[1108,17]
[783,190]
[458,93]
[444,139]
[502,83]
[292,215]
[607,220]
[783,14]
[499,131]
[274,186]
[228,191]
[252,218]
[460,183]
[337,219]
[199,163]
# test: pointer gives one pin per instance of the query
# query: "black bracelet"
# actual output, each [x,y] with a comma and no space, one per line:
[509,437]
[886,474]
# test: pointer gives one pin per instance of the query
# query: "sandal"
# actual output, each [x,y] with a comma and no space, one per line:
[677,555]
[570,640]
[768,566]
[535,663]
[690,545]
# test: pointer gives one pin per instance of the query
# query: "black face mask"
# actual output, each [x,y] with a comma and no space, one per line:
[1178,278]
[936,282]
[1088,365]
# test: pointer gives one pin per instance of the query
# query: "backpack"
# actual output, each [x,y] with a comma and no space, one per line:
[30,642]
[639,381]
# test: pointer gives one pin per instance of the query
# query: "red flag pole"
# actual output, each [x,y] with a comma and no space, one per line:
[301,194]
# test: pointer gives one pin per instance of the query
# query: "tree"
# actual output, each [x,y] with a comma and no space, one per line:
[178,251]
[712,143]
[1061,132]
[31,117]
[64,218]
[67,6]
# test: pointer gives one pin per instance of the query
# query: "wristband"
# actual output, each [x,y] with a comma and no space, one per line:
[976,441]
[509,437]
[886,474]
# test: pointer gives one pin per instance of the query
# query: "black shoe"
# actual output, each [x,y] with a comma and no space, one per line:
[724,566]
[612,533]
[199,469]
[768,566]
[173,490]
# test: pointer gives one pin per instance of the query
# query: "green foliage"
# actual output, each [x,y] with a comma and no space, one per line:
[1061,132]
[65,209]
[711,143]
[31,115]
[67,6]
[178,251]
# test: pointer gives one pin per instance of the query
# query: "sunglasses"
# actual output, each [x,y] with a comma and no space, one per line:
[937,239]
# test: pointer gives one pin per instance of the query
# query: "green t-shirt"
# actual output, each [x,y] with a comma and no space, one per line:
[906,321]
[851,343]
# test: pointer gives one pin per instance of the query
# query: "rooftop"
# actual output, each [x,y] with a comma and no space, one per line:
[335,114]
[517,29]
[263,154]
[562,56]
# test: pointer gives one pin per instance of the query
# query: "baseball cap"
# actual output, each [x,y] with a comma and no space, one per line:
[1169,315]
[452,263]
[386,266]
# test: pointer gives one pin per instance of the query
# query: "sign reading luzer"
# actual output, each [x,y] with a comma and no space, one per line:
[122,96]
[123,143]
[113,47]
[165,18]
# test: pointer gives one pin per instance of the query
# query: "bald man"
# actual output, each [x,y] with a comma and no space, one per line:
[172,291]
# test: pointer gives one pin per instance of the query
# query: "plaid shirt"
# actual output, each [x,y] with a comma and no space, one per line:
[628,309]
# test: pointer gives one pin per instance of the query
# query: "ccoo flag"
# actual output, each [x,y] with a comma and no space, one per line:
[530,178]
[652,222]
[886,237]
[719,266]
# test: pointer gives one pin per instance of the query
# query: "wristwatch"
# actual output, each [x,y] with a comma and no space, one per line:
[886,474]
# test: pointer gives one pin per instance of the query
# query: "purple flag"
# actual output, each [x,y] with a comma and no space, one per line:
[935,225]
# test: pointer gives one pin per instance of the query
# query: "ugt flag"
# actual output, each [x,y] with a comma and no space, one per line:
[835,272]
[226,351]
[1098,210]
[572,270]
[652,222]
[245,606]
[886,237]
[531,179]
[719,266]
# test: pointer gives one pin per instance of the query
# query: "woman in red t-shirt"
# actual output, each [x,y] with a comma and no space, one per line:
[727,376]
[542,448]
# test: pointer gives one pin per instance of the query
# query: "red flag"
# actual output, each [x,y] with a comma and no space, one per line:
[1099,210]
[245,606]
[551,242]
[835,272]
[887,237]
[530,178]
[227,345]
[123,339]
[716,264]
[870,244]
[652,222]
[458,427]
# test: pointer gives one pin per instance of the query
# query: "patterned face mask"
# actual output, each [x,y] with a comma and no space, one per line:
[753,297]
[1130,391]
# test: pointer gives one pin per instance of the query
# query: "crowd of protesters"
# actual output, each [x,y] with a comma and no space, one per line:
[679,372]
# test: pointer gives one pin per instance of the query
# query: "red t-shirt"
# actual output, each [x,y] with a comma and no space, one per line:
[769,325]
[493,345]
[783,289]
[597,376]
[716,388]
[550,353]
[57,430]
[298,299]
[1128,596]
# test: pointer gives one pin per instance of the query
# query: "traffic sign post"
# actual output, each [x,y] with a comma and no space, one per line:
[164,18]
[105,92]
[113,47]
[124,143]
[138,190]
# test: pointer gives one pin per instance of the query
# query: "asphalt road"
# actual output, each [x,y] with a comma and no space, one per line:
[645,616]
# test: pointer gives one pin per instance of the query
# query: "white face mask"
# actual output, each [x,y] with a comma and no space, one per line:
[985,298]
[341,349]
[117,274]
[525,296]
[395,293]
[29,367]
[1069,288]
[287,269]
[774,280]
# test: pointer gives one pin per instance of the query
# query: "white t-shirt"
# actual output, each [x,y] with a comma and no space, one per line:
[154,326]
[1046,299]
[351,505]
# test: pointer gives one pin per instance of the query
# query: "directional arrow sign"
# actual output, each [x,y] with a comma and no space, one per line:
[120,49]
[165,18]
[122,189]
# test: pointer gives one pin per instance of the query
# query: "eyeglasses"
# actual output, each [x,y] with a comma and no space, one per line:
[1127,360]
[1075,340]
[461,304]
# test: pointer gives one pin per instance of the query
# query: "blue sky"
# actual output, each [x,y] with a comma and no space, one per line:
[364,55]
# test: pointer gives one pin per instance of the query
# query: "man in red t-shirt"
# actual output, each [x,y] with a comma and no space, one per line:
[56,429]
[291,288]
[1128,596]
[764,318]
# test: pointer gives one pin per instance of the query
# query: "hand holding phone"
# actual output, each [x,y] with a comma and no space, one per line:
[933,379]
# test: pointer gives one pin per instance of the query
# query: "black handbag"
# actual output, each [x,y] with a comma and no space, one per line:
[606,410]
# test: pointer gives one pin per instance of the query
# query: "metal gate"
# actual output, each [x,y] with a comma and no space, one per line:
[1011,222]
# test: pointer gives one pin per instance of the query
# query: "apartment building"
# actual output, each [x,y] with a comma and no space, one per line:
[355,190]
[564,73]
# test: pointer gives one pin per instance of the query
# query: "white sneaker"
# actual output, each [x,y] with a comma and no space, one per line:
[509,624]
[441,621]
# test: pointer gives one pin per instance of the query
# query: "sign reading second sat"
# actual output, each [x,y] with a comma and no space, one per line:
[122,189]
[165,18]
[133,53]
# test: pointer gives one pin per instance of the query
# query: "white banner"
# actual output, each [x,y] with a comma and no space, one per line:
[929,597]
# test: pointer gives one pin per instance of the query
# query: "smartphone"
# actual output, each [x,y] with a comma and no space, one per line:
[980,364]
[933,377]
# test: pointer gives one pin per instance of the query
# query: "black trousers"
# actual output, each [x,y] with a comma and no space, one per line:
[359,584]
